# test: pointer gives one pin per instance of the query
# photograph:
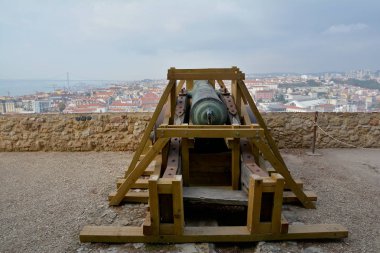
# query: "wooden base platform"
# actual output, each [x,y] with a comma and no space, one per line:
[113,234]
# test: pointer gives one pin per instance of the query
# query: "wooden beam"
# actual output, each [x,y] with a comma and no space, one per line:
[280,168]
[254,203]
[215,132]
[154,205]
[185,161]
[178,212]
[138,171]
[111,234]
[206,74]
[212,195]
[235,168]
[150,126]
[277,203]
[221,84]
[132,197]
[273,147]
[189,84]
[172,102]
[179,86]
[236,94]
[140,183]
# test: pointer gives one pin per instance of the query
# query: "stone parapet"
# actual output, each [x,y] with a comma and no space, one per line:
[122,131]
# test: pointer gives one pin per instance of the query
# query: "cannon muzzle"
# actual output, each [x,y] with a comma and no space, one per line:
[206,106]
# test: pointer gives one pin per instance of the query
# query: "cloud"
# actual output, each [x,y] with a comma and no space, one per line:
[350,28]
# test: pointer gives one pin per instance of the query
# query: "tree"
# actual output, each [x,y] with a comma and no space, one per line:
[61,106]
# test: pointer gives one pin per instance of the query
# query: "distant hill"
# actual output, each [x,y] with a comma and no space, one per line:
[369,84]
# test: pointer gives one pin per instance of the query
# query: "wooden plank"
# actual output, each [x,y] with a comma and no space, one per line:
[150,126]
[173,159]
[212,83]
[204,70]
[189,84]
[172,102]
[111,234]
[166,229]
[277,203]
[133,197]
[138,171]
[273,148]
[235,168]
[147,225]
[165,186]
[179,86]
[178,212]
[290,197]
[207,76]
[153,205]
[254,203]
[215,132]
[284,225]
[280,168]
[236,95]
[214,195]
[185,161]
[221,84]
[228,197]
[140,183]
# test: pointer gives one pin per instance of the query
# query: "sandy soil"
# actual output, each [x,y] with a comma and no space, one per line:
[45,199]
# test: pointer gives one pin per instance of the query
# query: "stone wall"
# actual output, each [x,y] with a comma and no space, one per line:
[341,130]
[122,131]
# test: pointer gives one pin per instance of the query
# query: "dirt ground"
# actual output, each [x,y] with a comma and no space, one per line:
[46,198]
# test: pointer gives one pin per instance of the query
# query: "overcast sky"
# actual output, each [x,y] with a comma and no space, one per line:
[127,40]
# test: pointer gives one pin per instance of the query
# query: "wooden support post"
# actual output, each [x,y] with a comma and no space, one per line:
[235,170]
[221,84]
[254,203]
[178,213]
[277,203]
[173,98]
[153,205]
[150,126]
[189,84]
[138,171]
[279,167]
[272,145]
[236,95]
[185,161]
[179,86]
[212,83]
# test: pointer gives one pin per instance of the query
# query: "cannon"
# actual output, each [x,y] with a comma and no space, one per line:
[208,159]
[206,106]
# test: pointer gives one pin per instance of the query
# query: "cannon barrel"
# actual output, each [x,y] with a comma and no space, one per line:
[206,106]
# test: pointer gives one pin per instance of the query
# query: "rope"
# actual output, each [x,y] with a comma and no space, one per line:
[329,135]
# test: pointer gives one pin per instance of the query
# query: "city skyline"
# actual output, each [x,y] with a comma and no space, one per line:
[131,40]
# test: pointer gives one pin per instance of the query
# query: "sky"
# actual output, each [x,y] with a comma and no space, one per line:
[129,40]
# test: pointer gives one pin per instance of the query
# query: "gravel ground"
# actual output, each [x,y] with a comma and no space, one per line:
[46,198]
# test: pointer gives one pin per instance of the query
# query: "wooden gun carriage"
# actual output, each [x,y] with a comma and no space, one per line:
[195,169]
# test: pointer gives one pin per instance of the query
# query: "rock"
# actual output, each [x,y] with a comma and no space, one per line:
[138,245]
[312,250]
[186,248]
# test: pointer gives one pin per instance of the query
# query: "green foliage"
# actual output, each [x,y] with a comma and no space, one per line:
[61,106]
[369,84]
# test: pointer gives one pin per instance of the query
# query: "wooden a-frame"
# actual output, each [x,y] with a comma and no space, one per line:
[169,130]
